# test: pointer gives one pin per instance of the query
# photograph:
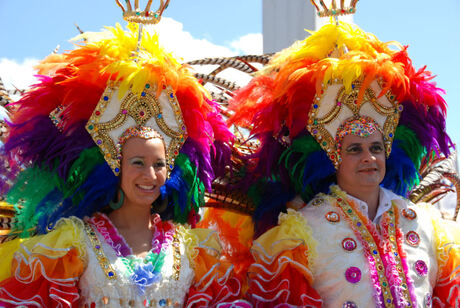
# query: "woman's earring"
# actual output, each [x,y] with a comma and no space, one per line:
[117,204]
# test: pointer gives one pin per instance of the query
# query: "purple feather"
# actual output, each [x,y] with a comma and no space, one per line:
[41,143]
[202,162]
[221,153]
[429,126]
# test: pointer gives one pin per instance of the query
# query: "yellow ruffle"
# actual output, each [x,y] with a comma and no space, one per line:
[447,240]
[55,244]
[292,231]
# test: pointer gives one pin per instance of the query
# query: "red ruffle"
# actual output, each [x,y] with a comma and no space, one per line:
[282,281]
[43,281]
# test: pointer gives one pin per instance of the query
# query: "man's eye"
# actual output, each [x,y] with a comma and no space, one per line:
[377,148]
[353,150]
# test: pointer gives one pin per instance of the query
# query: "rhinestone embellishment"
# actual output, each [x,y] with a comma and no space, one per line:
[349,304]
[353,274]
[421,268]
[428,300]
[332,217]
[409,214]
[349,244]
[412,238]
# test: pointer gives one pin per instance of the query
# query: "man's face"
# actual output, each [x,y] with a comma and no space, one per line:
[363,163]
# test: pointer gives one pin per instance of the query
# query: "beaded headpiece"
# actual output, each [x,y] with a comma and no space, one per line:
[357,126]
[334,105]
[66,136]
[143,132]
[114,115]
[297,103]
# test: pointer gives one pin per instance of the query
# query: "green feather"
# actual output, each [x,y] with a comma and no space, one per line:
[411,145]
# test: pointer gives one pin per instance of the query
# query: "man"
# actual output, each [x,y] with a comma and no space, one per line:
[344,121]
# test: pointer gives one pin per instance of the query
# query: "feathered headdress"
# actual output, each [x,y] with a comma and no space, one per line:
[352,73]
[65,170]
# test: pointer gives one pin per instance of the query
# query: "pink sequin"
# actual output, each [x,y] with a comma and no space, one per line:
[421,268]
[349,304]
[349,244]
[353,274]
[412,238]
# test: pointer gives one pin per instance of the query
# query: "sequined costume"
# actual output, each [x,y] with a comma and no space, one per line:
[64,139]
[314,244]
[89,262]
[409,256]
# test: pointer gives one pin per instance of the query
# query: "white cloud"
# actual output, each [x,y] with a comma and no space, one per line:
[172,37]
[18,75]
[249,44]
[184,45]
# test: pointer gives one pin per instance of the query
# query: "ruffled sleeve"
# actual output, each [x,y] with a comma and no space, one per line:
[214,282]
[281,274]
[44,270]
[446,293]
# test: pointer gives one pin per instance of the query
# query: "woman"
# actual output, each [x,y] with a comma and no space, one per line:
[344,121]
[117,145]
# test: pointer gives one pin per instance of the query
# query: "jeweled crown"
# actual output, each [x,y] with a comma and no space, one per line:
[346,7]
[136,15]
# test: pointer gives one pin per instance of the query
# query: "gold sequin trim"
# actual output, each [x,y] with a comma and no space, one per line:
[98,251]
[391,216]
[141,109]
[177,257]
[374,252]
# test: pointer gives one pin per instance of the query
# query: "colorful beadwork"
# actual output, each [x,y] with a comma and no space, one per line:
[144,132]
[349,244]
[57,118]
[421,268]
[317,201]
[362,127]
[384,266]
[428,300]
[144,111]
[353,274]
[323,119]
[333,217]
[101,258]
[409,214]
[412,238]
[395,238]
[349,304]
[143,272]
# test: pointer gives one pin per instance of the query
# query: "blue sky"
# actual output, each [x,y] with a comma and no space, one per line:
[31,29]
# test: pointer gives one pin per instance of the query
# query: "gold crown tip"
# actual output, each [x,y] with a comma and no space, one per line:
[132,13]
[346,7]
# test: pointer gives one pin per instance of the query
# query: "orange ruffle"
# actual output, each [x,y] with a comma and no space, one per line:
[213,285]
[43,281]
[284,279]
[447,290]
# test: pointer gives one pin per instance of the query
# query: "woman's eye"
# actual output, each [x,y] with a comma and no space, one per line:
[159,165]
[137,162]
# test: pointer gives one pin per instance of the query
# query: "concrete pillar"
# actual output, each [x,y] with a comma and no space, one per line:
[285,21]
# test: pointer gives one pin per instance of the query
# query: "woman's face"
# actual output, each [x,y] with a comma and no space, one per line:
[143,170]
[363,163]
